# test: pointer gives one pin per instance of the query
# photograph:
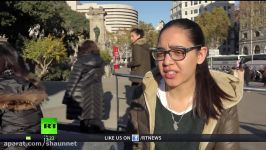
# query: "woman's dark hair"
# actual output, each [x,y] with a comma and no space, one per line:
[139,32]
[9,60]
[208,95]
[88,46]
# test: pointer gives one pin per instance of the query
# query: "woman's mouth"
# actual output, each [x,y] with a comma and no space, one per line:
[170,74]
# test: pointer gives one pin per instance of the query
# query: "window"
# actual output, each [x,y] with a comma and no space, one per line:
[173,11]
[199,10]
[229,7]
[257,49]
[191,3]
[257,33]
[245,50]
[199,2]
[195,11]
[206,1]
[185,12]
[191,11]
[225,8]
[185,4]
[245,35]
[195,2]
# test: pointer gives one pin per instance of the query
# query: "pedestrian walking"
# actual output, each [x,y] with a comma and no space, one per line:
[264,75]
[84,93]
[247,74]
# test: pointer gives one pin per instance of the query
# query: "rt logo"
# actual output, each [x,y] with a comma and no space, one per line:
[49,126]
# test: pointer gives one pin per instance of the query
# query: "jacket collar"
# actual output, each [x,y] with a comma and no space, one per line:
[29,94]
[140,41]
[151,84]
[22,101]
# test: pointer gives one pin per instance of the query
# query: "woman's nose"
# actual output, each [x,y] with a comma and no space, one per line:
[167,59]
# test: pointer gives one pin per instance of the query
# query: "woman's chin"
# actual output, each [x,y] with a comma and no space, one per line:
[172,83]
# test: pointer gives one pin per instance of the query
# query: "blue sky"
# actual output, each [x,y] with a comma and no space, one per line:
[148,11]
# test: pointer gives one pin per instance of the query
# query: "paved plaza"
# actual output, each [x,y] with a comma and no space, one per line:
[251,109]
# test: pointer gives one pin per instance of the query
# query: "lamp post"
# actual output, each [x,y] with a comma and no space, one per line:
[251,33]
[126,47]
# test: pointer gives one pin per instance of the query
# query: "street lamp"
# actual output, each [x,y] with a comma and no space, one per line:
[251,33]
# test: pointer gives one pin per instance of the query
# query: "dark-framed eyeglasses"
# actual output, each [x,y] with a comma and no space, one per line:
[177,53]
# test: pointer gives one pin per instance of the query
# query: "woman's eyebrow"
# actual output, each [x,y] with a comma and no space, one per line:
[160,47]
[175,46]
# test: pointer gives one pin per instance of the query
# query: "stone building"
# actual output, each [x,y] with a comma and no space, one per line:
[118,16]
[252,34]
[192,9]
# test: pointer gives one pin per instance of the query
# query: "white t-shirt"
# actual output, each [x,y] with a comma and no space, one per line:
[162,96]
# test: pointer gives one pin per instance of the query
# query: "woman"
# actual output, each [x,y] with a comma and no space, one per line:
[84,93]
[141,60]
[20,96]
[182,96]
[140,63]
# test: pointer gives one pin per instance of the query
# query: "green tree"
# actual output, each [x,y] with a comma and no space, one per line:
[44,52]
[105,56]
[122,37]
[215,26]
[73,21]
[252,14]
[54,17]
[6,18]
[14,23]
[76,26]
[149,33]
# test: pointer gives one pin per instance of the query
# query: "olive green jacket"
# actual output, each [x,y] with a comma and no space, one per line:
[143,116]
[141,59]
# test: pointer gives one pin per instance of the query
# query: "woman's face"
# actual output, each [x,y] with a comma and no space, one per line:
[174,72]
[134,37]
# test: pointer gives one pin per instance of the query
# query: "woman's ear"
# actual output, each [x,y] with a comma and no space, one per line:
[202,54]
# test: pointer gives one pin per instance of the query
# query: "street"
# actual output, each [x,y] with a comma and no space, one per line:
[251,111]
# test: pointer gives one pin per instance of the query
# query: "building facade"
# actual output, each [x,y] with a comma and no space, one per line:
[191,9]
[118,16]
[252,34]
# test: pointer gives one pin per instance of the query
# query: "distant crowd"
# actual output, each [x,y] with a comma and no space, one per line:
[252,73]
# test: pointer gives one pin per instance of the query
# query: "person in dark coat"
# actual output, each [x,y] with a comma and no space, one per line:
[141,61]
[264,76]
[247,75]
[20,97]
[141,55]
[84,93]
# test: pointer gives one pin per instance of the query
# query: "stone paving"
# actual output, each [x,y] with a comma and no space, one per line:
[251,109]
